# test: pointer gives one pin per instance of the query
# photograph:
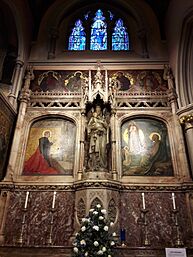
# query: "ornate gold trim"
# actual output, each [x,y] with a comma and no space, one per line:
[186,118]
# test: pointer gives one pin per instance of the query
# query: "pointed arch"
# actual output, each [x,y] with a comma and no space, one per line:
[120,38]
[95,202]
[98,40]
[185,74]
[77,39]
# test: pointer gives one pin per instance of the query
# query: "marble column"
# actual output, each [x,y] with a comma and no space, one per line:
[188,129]
[82,142]
[189,199]
[24,99]
[16,83]
[113,144]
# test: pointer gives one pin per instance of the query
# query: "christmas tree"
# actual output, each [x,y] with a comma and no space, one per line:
[94,238]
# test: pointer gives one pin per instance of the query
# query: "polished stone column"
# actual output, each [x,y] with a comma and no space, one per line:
[16,84]
[82,142]
[187,124]
[24,99]
[113,144]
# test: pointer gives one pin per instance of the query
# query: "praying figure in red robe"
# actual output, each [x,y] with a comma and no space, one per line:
[40,162]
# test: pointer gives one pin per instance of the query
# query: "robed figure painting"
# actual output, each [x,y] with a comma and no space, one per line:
[50,148]
[145,148]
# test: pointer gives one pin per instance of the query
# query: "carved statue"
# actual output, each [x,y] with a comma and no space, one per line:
[168,76]
[98,140]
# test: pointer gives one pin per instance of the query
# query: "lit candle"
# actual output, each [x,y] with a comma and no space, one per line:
[143,200]
[26,199]
[54,199]
[173,200]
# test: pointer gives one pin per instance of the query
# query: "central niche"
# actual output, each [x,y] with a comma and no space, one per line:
[50,148]
[97,143]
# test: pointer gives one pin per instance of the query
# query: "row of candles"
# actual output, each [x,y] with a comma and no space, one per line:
[54,200]
[122,231]
[27,197]
[146,242]
[173,200]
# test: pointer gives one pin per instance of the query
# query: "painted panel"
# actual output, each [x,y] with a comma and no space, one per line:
[50,148]
[139,81]
[58,81]
[145,148]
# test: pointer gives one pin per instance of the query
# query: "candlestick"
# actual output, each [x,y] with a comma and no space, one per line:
[143,200]
[26,199]
[54,199]
[173,200]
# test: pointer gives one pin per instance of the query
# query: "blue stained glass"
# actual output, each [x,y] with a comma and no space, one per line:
[120,38]
[77,39]
[98,40]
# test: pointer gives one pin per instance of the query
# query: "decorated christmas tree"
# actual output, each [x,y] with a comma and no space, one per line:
[94,238]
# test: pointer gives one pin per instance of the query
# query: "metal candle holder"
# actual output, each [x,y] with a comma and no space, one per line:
[49,240]
[20,238]
[179,241]
[146,241]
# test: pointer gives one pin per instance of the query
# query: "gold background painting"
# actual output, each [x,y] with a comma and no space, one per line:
[36,134]
[62,135]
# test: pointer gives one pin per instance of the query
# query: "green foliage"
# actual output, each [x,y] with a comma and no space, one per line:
[94,238]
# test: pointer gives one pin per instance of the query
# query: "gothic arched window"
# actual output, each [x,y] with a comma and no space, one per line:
[98,40]
[98,31]
[77,39]
[120,38]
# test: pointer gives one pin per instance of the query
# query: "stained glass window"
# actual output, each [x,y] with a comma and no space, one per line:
[98,40]
[95,37]
[120,38]
[77,39]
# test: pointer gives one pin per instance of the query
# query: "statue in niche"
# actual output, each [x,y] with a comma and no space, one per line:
[98,139]
[168,76]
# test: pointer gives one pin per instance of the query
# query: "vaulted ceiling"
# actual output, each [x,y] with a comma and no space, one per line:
[39,7]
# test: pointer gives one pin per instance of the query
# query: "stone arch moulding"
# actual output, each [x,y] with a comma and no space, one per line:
[22,27]
[112,211]
[60,10]
[185,61]
[81,210]
[60,156]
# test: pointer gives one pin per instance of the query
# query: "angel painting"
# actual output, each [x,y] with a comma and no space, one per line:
[145,148]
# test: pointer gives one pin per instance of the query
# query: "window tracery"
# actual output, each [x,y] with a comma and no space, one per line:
[106,32]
